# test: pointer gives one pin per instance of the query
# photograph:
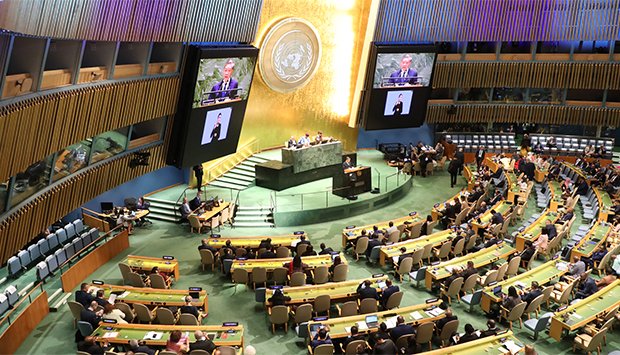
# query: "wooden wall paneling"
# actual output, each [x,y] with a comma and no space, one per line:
[20,328]
[65,118]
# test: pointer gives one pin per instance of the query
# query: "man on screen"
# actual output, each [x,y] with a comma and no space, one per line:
[217,128]
[397,110]
[405,75]
[226,88]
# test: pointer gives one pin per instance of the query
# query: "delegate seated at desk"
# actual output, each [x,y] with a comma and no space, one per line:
[304,141]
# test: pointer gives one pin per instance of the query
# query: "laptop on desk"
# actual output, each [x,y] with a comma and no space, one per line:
[372,321]
[497,291]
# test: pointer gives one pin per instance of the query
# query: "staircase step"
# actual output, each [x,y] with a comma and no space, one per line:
[226,185]
[254,208]
[248,163]
[254,213]
[248,173]
[232,180]
[159,201]
[164,211]
[253,219]
[248,168]
[254,224]
[257,159]
[240,177]
[165,218]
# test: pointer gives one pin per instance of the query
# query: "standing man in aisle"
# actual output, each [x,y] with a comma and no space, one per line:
[453,169]
[198,172]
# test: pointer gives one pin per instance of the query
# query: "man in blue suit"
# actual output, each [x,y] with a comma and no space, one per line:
[225,88]
[405,75]
[388,291]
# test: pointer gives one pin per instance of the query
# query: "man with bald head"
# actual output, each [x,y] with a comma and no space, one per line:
[201,343]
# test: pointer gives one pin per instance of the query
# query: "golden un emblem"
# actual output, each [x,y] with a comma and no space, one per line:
[290,54]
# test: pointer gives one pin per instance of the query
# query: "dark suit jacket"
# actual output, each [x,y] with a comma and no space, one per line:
[411,77]
[400,330]
[385,295]
[144,349]
[268,255]
[530,296]
[91,317]
[367,292]
[84,298]
[195,203]
[467,337]
[398,108]
[231,92]
[206,345]
[215,132]
[190,309]
[93,349]
[489,333]
[440,323]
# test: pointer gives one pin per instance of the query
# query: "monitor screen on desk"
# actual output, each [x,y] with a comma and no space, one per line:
[107,206]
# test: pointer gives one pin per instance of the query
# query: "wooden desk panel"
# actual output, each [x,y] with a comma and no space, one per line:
[15,334]
[207,215]
[488,345]
[480,259]
[147,263]
[253,242]
[338,291]
[154,296]
[543,274]
[353,233]
[270,264]
[392,250]
[534,230]
[590,242]
[338,326]
[121,333]
[586,311]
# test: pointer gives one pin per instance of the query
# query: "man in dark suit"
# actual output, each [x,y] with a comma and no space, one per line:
[405,75]
[91,314]
[460,156]
[550,229]
[268,254]
[470,270]
[355,335]
[82,296]
[89,345]
[202,343]
[480,156]
[496,217]
[325,250]
[140,347]
[401,329]
[373,242]
[225,88]
[265,243]
[188,307]
[205,245]
[492,329]
[535,291]
[453,169]
[389,290]
[99,298]
[365,290]
[195,202]
[198,172]
[449,316]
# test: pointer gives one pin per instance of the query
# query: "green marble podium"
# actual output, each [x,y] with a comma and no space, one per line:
[313,157]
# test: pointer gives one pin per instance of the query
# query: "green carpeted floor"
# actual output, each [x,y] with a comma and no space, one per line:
[55,335]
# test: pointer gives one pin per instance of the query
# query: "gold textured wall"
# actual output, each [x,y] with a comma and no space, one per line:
[325,102]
